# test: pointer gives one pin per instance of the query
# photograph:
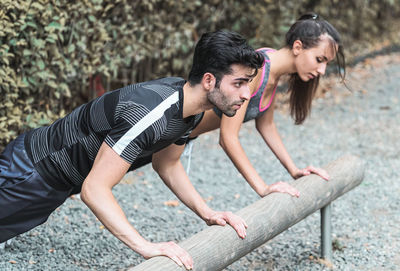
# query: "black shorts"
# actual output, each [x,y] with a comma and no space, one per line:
[26,200]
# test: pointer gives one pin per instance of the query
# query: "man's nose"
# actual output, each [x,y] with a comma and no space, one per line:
[245,95]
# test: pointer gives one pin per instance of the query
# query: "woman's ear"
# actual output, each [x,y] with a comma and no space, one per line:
[297,47]
[208,81]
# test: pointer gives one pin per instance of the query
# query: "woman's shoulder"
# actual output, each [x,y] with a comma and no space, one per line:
[266,49]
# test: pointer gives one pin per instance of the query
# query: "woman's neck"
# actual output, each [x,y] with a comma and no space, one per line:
[282,63]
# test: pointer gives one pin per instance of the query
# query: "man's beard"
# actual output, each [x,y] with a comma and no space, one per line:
[219,100]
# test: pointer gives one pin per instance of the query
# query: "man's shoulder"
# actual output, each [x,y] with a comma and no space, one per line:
[161,95]
[165,86]
[158,89]
[167,81]
[174,82]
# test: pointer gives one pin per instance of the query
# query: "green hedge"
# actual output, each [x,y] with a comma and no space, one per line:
[49,49]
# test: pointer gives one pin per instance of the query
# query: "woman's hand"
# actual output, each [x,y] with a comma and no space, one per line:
[281,187]
[310,169]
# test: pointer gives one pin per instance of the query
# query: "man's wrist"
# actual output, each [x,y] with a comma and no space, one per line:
[293,172]
[261,190]
[206,215]
[141,246]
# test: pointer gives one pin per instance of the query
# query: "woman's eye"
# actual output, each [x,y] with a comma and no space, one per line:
[238,85]
[319,60]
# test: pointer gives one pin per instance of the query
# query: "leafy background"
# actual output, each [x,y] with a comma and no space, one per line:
[57,54]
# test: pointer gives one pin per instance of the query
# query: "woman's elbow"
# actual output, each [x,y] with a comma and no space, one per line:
[225,141]
[260,125]
[265,126]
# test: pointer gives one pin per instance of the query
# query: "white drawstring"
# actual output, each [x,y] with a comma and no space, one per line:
[188,153]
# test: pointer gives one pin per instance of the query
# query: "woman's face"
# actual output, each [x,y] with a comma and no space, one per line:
[311,63]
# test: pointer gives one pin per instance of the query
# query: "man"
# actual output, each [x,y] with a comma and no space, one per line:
[97,143]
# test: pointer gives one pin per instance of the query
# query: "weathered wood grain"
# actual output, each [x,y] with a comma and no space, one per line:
[216,247]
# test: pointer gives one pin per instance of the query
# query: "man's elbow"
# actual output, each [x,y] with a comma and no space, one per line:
[162,169]
[156,166]
[86,192]
[222,142]
[166,169]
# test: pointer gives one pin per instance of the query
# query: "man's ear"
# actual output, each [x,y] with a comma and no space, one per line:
[297,47]
[208,81]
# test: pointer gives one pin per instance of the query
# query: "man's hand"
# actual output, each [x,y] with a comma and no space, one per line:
[222,218]
[281,187]
[170,250]
[310,169]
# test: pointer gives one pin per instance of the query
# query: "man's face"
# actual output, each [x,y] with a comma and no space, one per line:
[233,90]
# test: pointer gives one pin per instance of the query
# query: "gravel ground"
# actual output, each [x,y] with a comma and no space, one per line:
[366,230]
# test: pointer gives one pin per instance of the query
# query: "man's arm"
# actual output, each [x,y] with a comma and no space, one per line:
[108,169]
[168,165]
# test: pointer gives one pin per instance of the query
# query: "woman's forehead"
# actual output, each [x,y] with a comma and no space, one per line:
[327,47]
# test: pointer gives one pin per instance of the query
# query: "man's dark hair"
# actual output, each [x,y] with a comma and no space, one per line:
[215,52]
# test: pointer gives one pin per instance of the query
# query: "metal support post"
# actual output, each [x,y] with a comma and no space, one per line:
[326,233]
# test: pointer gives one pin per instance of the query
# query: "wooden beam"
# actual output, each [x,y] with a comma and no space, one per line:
[216,247]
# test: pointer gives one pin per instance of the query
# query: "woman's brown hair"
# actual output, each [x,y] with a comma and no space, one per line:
[308,29]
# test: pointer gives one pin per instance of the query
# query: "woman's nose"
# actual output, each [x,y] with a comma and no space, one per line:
[322,68]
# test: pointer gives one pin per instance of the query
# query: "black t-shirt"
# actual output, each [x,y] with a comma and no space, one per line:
[135,121]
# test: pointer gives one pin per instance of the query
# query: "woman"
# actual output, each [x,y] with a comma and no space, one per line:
[311,43]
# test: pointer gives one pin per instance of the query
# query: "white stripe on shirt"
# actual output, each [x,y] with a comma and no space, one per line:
[145,122]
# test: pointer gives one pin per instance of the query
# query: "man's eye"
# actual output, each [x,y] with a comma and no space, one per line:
[238,84]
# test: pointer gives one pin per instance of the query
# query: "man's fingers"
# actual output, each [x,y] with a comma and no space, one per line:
[178,255]
[294,192]
[187,261]
[240,229]
[185,258]
[283,187]
[221,221]
[319,171]
[176,260]
[181,260]
[237,223]
[287,188]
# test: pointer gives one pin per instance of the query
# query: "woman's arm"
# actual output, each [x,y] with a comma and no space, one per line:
[108,169]
[229,141]
[168,165]
[266,127]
